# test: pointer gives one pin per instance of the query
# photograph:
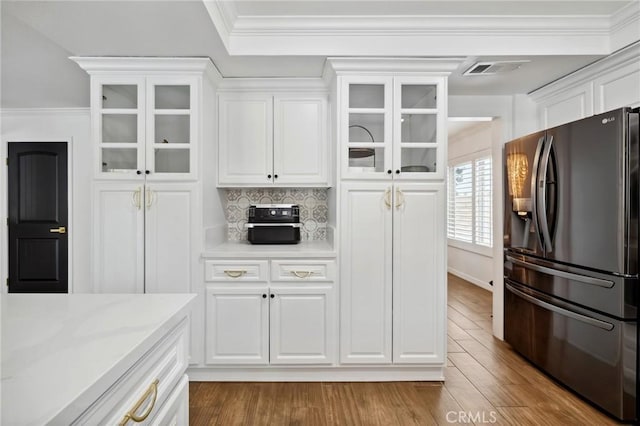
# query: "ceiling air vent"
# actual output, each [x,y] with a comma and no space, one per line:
[495,67]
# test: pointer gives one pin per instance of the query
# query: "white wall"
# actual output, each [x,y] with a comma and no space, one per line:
[56,125]
[513,117]
[465,260]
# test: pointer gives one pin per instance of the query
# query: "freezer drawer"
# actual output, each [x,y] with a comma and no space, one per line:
[608,294]
[592,354]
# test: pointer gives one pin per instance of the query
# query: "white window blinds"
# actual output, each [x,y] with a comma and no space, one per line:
[461,202]
[470,210]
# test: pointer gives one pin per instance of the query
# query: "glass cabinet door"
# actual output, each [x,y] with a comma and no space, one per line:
[417,118]
[368,127]
[120,128]
[170,128]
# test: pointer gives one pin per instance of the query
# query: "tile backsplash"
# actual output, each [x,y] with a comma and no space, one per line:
[312,202]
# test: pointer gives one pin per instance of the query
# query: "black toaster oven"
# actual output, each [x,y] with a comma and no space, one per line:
[273,224]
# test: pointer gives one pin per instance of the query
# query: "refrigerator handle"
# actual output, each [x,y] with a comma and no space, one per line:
[542,205]
[534,190]
[557,309]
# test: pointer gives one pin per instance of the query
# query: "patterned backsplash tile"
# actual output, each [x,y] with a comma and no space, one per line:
[312,202]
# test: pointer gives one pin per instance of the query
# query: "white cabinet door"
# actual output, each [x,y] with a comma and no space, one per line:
[365,273]
[118,238]
[366,127]
[246,139]
[302,330]
[300,140]
[237,328]
[169,237]
[172,131]
[118,126]
[419,273]
[419,127]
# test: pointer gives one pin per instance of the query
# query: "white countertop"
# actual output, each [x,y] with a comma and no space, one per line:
[244,249]
[60,352]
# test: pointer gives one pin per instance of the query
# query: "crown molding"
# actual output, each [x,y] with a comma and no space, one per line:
[625,26]
[313,85]
[385,65]
[419,35]
[223,14]
[94,65]
[303,25]
[619,59]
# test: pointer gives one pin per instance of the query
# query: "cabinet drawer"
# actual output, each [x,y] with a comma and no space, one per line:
[153,377]
[175,411]
[251,271]
[302,270]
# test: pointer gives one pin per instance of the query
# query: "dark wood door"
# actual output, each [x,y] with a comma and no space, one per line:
[38,213]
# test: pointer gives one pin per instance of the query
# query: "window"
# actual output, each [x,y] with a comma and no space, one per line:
[470,212]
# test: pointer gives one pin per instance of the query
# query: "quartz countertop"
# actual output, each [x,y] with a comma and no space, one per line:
[244,249]
[61,352]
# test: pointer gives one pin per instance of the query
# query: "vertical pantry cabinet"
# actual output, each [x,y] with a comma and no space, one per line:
[391,131]
[147,130]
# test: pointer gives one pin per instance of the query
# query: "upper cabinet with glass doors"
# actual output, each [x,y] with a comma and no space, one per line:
[393,126]
[146,115]
[145,126]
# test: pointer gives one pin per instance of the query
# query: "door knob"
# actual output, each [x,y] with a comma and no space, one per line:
[59,230]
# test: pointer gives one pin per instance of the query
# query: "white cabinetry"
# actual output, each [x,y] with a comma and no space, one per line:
[155,389]
[393,127]
[143,237]
[366,273]
[289,320]
[611,83]
[237,326]
[146,116]
[273,140]
[392,275]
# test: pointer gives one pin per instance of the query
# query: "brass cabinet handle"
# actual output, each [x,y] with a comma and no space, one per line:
[58,230]
[235,274]
[387,201]
[136,198]
[131,415]
[149,198]
[302,274]
[399,199]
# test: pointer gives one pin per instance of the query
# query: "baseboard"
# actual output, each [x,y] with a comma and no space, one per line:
[316,374]
[471,279]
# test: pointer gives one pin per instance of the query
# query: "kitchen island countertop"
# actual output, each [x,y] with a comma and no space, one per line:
[61,352]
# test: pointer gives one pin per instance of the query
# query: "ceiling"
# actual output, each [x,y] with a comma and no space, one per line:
[269,38]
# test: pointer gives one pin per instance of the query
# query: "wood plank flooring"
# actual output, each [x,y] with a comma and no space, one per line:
[486,383]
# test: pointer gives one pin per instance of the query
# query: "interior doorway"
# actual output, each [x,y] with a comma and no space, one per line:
[38,217]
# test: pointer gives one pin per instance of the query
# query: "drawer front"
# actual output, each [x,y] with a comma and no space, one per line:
[303,270]
[153,377]
[231,271]
[175,411]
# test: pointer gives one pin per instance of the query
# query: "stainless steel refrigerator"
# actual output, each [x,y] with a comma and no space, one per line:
[571,256]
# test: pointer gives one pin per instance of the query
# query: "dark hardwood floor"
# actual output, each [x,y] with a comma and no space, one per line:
[486,383]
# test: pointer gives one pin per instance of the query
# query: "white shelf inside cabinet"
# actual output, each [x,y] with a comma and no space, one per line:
[244,249]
